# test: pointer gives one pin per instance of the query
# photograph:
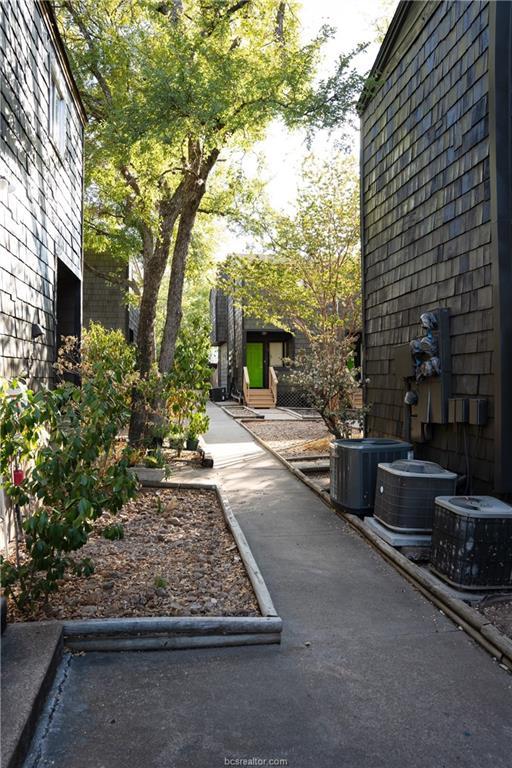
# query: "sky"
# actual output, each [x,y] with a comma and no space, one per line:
[282,151]
[354,21]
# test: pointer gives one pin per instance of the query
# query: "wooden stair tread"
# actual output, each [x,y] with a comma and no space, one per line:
[260,398]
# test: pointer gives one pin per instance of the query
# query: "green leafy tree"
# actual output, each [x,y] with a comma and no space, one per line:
[171,88]
[305,273]
[190,380]
[307,278]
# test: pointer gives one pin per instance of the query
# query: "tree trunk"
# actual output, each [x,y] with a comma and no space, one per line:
[192,201]
[175,293]
[155,261]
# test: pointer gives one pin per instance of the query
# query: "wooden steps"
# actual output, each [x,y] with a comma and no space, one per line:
[259,398]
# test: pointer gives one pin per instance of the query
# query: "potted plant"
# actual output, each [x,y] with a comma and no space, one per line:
[176,438]
[198,424]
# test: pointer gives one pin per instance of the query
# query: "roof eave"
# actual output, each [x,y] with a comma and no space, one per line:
[50,20]
[384,52]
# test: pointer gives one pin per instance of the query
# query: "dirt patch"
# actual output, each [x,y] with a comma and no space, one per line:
[290,438]
[186,459]
[177,558]
[499,613]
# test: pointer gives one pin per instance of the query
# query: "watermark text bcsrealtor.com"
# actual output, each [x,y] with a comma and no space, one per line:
[255,762]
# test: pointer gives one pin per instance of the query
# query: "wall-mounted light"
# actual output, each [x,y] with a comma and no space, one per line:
[37,331]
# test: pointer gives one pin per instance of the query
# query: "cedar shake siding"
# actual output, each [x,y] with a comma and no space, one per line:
[435,205]
[231,331]
[41,177]
[106,284]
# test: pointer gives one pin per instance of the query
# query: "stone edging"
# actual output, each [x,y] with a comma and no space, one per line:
[179,632]
[466,617]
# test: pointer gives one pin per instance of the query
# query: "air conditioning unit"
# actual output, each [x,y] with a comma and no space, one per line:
[406,491]
[354,470]
[218,394]
[472,542]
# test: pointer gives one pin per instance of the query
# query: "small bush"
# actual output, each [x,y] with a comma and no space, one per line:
[154,459]
[113,532]
[65,439]
[197,425]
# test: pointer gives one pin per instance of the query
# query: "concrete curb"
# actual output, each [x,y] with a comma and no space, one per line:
[180,632]
[466,617]
[258,583]
[17,732]
[255,415]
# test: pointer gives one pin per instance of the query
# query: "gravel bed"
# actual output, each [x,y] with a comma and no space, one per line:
[499,613]
[239,412]
[177,558]
[294,437]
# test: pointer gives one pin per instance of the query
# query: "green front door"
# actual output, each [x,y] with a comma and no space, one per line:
[254,357]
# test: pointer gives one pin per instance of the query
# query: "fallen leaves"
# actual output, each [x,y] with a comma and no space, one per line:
[177,558]
[293,437]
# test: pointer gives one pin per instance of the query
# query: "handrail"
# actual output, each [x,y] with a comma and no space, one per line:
[246,384]
[273,384]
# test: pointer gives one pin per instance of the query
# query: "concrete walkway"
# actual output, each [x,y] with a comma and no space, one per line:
[369,673]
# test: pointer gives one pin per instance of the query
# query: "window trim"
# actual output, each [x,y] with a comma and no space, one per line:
[57,120]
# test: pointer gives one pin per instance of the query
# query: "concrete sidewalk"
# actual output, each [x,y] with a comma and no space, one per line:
[369,673]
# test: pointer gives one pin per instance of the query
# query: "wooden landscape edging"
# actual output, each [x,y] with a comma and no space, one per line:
[467,618]
[255,415]
[299,416]
[181,632]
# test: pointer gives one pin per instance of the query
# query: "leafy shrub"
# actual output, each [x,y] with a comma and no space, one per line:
[197,425]
[190,380]
[113,532]
[326,375]
[173,405]
[65,439]
[154,459]
[148,404]
[102,357]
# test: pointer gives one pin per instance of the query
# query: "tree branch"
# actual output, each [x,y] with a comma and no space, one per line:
[88,38]
[279,31]
[111,277]
[130,179]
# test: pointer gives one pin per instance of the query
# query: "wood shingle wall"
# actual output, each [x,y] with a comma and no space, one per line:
[41,189]
[105,295]
[426,218]
[219,316]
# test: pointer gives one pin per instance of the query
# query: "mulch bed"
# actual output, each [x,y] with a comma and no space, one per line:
[499,613]
[177,558]
[290,438]
[186,458]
